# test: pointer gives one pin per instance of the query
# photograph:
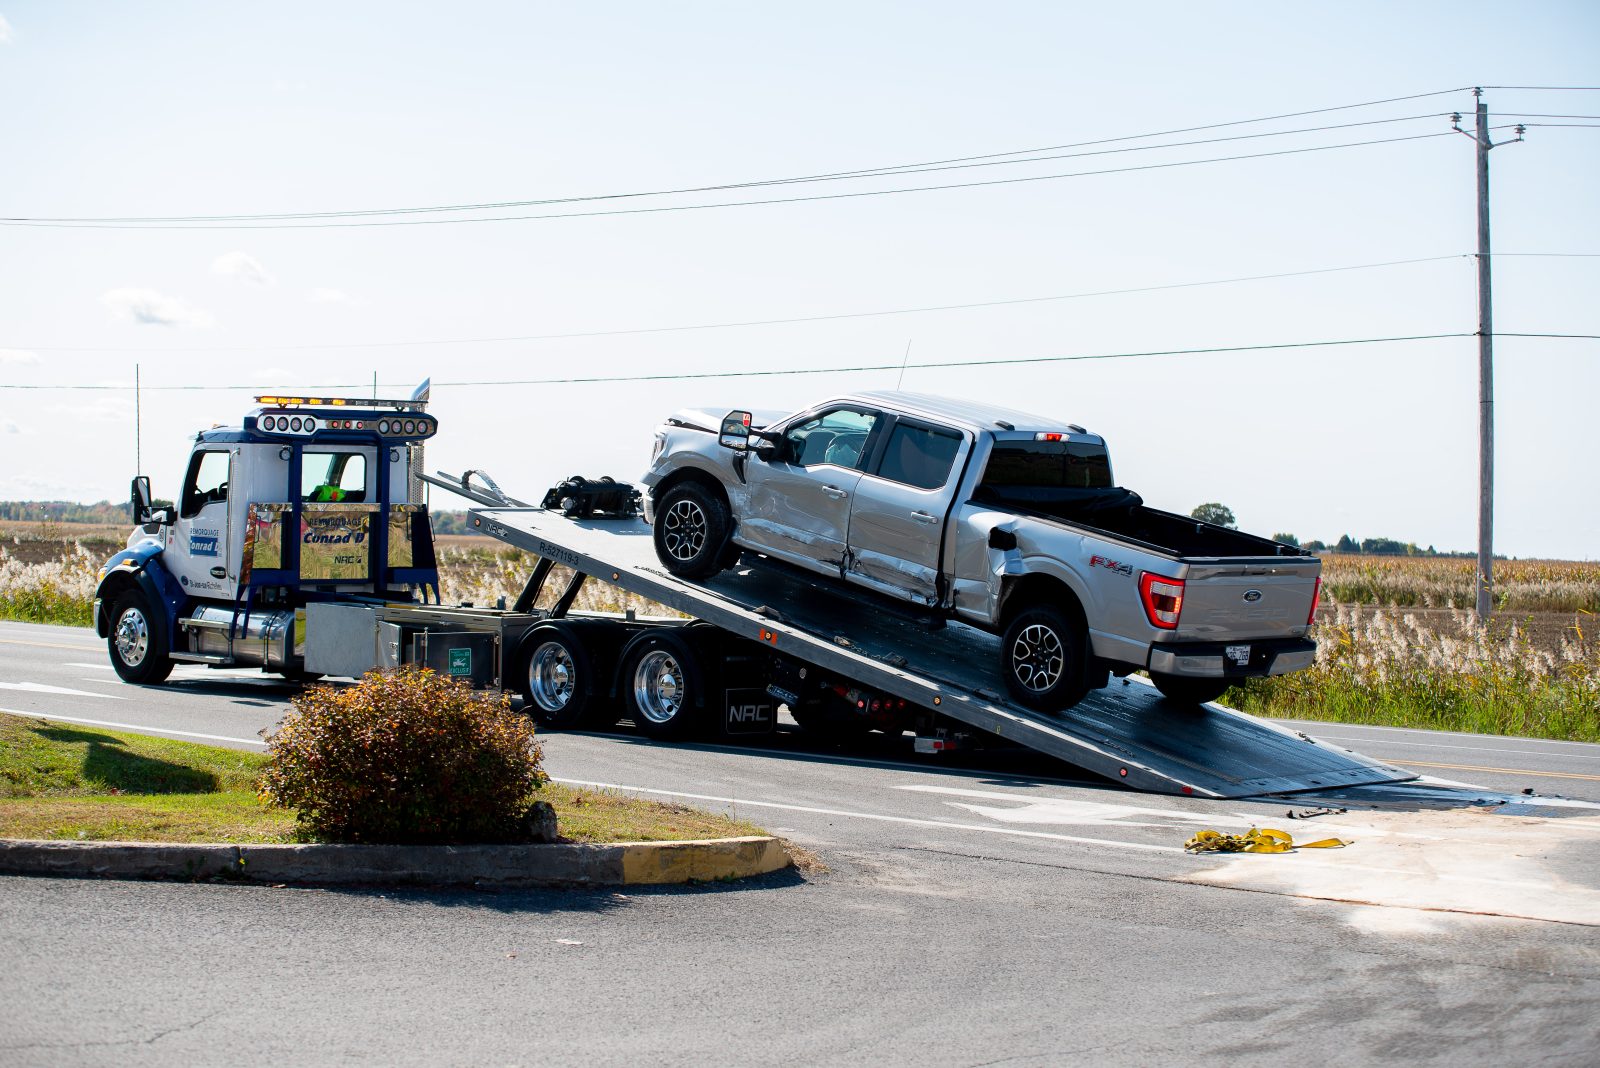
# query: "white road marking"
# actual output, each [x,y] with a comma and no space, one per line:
[137,728]
[1435,745]
[38,687]
[96,667]
[1310,727]
[878,816]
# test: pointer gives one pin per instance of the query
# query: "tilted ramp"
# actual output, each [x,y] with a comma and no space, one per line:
[1127,732]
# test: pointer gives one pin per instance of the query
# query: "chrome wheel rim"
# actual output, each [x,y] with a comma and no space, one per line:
[551,676]
[683,530]
[658,686]
[132,637]
[1037,659]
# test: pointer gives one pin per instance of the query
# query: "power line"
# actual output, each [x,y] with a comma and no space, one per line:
[742,203]
[1553,88]
[901,169]
[761,322]
[749,373]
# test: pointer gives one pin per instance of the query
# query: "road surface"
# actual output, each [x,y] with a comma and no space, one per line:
[996,910]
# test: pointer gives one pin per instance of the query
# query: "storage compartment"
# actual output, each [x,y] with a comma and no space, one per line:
[468,656]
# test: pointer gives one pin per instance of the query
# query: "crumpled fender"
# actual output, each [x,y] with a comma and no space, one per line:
[139,566]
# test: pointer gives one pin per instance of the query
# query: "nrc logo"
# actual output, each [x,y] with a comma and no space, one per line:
[749,713]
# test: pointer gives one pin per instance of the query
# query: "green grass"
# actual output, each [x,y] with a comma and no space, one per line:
[59,781]
[1563,709]
[46,604]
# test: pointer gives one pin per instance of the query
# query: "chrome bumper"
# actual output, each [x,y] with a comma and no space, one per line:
[1277,656]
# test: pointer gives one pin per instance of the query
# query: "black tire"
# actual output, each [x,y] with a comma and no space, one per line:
[691,530]
[137,641]
[560,687]
[1043,655]
[1189,691]
[663,685]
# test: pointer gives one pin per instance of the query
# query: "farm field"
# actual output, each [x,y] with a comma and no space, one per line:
[1397,645]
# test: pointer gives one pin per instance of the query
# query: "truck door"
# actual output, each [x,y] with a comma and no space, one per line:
[197,544]
[799,503]
[897,520]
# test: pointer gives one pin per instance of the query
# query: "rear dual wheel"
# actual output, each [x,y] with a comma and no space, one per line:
[562,665]
[664,683]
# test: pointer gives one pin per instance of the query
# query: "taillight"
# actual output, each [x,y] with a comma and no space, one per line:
[1316,595]
[1163,599]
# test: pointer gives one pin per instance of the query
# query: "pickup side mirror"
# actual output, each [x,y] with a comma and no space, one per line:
[735,433]
[140,503]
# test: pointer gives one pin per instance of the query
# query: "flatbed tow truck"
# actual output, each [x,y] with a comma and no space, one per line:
[300,545]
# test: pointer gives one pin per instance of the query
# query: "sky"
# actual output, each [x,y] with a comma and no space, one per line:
[161,110]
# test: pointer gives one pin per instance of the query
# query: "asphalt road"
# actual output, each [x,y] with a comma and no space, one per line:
[991,910]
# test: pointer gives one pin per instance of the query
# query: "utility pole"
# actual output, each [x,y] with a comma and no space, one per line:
[1480,137]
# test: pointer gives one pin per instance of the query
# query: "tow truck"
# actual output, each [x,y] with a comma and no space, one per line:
[300,544]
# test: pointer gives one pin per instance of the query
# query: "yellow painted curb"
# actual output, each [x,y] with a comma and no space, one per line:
[651,863]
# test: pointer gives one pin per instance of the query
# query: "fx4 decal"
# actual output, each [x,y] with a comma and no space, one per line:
[1111,565]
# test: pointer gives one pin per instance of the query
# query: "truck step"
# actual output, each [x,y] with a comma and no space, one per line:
[203,658]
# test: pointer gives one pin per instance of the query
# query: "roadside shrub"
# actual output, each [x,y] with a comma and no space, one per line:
[411,757]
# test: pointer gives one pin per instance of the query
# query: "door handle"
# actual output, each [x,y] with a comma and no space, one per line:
[924,517]
[835,492]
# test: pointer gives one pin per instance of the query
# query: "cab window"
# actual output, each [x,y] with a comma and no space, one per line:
[838,438]
[206,481]
[919,456]
[327,477]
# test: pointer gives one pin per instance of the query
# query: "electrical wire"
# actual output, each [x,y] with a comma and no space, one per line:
[902,169]
[754,373]
[748,373]
[364,223]
[758,322]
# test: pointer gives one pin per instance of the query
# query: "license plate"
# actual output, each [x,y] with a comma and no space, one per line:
[1239,654]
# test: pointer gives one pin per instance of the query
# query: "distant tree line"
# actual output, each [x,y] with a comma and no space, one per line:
[64,511]
[1222,516]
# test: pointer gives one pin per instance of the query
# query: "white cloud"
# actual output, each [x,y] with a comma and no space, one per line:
[329,296]
[101,409]
[17,357]
[148,307]
[5,30]
[243,266]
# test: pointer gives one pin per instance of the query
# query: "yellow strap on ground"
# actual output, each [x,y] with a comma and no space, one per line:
[1255,840]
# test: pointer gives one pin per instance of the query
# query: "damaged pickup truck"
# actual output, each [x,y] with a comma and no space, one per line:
[1005,521]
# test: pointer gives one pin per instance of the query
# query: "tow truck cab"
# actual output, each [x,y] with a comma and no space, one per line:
[310,499]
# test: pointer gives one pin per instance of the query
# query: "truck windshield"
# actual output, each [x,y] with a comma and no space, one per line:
[1048,465]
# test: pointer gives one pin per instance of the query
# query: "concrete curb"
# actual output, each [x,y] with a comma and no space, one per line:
[484,866]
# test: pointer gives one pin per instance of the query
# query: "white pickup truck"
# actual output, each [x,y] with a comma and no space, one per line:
[1006,521]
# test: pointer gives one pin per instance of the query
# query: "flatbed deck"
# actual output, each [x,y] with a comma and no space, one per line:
[1126,732]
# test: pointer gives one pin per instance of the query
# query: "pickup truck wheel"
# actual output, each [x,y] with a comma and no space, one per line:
[138,652]
[558,678]
[1189,691]
[1042,656]
[663,685]
[691,530]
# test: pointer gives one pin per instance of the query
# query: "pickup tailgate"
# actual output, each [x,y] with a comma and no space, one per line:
[1247,598]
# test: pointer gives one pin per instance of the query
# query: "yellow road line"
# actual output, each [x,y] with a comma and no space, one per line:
[1506,771]
[49,645]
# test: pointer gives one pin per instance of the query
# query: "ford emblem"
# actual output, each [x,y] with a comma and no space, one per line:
[1252,596]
